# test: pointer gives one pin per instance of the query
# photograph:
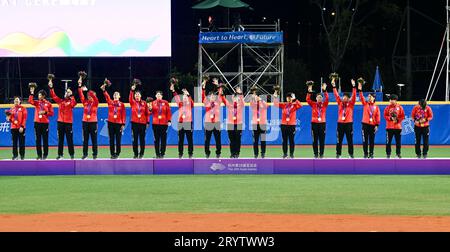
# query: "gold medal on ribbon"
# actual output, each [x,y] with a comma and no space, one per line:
[115,116]
[343,118]
[16,122]
[160,117]
[88,117]
[40,116]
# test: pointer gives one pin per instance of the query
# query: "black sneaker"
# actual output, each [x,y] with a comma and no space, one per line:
[371,156]
[399,156]
[72,157]
[59,157]
[263,155]
[388,156]
[321,156]
[291,157]
[218,156]
[191,156]
[38,158]
[425,156]
[285,156]
[135,157]
[113,157]
[180,156]
[419,156]
[45,158]
[15,158]
[141,156]
[84,157]
[256,156]
[351,156]
[207,156]
[366,156]
[22,158]
[94,157]
[338,156]
[161,157]
[316,156]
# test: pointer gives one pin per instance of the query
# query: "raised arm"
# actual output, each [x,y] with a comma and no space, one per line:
[327,99]
[308,99]
[353,100]
[107,97]
[31,100]
[73,102]
[80,93]
[361,97]
[176,97]
[54,96]
[94,97]
[131,98]
[336,95]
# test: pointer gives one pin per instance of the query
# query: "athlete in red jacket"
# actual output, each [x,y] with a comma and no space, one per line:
[212,118]
[185,126]
[116,122]
[43,109]
[394,115]
[422,114]
[318,121]
[90,120]
[259,123]
[235,112]
[288,121]
[17,116]
[65,120]
[370,122]
[346,105]
[162,120]
[139,121]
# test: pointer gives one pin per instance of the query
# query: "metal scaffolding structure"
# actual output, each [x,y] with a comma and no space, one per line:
[244,65]
[442,62]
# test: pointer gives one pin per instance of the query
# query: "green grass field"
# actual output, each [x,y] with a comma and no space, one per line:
[365,195]
[246,152]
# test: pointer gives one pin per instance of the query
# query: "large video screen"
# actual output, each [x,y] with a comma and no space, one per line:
[85,28]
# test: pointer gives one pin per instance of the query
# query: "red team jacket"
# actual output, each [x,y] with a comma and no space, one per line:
[318,108]
[116,110]
[161,112]
[212,109]
[389,111]
[289,111]
[18,117]
[235,110]
[371,112]
[345,114]
[184,108]
[419,113]
[90,107]
[259,116]
[43,105]
[66,105]
[139,110]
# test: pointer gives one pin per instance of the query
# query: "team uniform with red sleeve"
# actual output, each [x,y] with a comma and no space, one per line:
[90,120]
[422,118]
[43,109]
[65,121]
[18,120]
[162,116]
[394,115]
[371,120]
[345,122]
[288,124]
[116,120]
[212,124]
[185,127]
[318,123]
[259,126]
[139,121]
[235,111]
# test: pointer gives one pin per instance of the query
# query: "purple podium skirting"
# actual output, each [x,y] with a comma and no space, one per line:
[227,166]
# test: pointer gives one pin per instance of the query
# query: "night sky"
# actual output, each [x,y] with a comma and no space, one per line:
[298,18]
